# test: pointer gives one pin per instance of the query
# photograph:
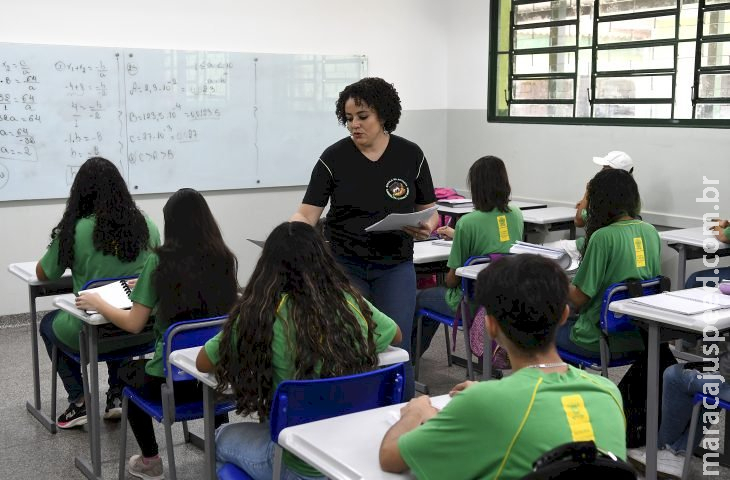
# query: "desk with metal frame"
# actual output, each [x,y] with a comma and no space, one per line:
[551,219]
[688,242]
[184,359]
[457,212]
[39,288]
[655,321]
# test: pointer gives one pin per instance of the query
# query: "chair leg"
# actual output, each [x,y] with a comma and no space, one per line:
[449,356]
[54,385]
[605,356]
[419,330]
[186,432]
[690,440]
[123,438]
[469,357]
[278,455]
[167,416]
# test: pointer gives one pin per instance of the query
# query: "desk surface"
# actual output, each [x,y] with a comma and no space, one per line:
[427,252]
[26,272]
[695,323]
[689,236]
[67,303]
[443,209]
[542,216]
[347,447]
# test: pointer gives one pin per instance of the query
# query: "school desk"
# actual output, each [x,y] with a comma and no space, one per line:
[39,288]
[88,353]
[688,242]
[184,359]
[456,212]
[668,324]
[550,219]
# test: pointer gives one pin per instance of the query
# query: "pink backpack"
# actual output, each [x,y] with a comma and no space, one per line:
[444,193]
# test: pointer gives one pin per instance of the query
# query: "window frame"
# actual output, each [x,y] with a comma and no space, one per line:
[699,41]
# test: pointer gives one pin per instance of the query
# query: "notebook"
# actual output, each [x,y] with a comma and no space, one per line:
[561,257]
[456,202]
[687,302]
[115,294]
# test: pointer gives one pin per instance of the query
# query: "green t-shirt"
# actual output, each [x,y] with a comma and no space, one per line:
[145,294]
[283,350]
[480,233]
[497,429]
[89,264]
[624,250]
[727,232]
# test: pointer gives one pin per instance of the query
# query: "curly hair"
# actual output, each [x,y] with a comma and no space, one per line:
[489,184]
[295,270]
[120,228]
[196,275]
[612,194]
[377,94]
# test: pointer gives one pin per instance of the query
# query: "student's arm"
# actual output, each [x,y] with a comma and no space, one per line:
[203,362]
[577,298]
[40,273]
[132,321]
[721,229]
[579,207]
[308,214]
[417,411]
[398,336]
[451,280]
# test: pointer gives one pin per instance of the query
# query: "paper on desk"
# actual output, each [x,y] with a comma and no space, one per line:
[436,402]
[686,302]
[396,221]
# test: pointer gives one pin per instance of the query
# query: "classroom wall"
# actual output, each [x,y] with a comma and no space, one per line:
[404,40]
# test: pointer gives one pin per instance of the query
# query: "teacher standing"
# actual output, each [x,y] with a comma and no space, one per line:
[365,177]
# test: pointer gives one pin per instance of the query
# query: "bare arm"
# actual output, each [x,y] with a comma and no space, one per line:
[577,298]
[307,213]
[132,321]
[203,363]
[40,273]
[417,411]
[451,280]
[398,336]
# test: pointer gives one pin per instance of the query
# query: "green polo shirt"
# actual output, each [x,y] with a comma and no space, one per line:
[624,250]
[480,233]
[89,264]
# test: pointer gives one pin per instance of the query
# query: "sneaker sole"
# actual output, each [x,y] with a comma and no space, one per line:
[113,414]
[144,476]
[76,422]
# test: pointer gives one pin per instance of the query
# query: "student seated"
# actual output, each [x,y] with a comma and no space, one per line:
[299,318]
[711,277]
[493,227]
[191,276]
[102,234]
[498,428]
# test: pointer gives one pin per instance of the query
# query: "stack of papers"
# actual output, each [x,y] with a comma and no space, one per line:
[561,257]
[396,221]
[456,202]
[687,302]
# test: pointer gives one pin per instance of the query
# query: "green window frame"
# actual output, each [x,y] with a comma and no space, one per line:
[610,62]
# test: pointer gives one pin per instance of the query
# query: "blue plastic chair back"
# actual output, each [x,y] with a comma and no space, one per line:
[98,282]
[711,400]
[186,334]
[302,401]
[613,323]
[467,285]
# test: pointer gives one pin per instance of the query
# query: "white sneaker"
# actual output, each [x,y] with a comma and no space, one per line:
[669,464]
[638,455]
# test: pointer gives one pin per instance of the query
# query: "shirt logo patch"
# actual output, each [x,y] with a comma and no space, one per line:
[396,189]
[578,419]
[639,249]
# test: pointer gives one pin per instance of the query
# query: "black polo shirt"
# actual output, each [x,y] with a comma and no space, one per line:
[362,192]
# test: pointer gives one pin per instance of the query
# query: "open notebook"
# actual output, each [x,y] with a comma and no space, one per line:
[687,302]
[115,294]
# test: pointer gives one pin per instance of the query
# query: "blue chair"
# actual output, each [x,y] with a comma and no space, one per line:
[612,323]
[180,335]
[109,335]
[303,401]
[698,399]
[449,321]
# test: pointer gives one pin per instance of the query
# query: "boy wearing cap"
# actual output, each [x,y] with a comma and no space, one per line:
[615,159]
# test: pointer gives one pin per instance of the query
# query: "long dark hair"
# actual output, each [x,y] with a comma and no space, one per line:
[612,194]
[489,185]
[120,228]
[196,275]
[295,262]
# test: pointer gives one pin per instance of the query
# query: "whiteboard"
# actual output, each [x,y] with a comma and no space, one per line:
[167,118]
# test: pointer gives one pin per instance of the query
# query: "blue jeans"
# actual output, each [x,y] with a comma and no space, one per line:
[432,299]
[707,277]
[68,368]
[680,385]
[392,289]
[563,342]
[249,447]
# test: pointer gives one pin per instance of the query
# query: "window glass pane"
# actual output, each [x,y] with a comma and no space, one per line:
[716,53]
[685,80]
[632,111]
[586,24]
[529,110]
[582,104]
[717,85]
[688,19]
[505,10]
[635,58]
[545,12]
[613,7]
[502,81]
[545,63]
[716,23]
[638,29]
[560,88]
[716,2]
[545,37]
[634,87]
[719,111]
